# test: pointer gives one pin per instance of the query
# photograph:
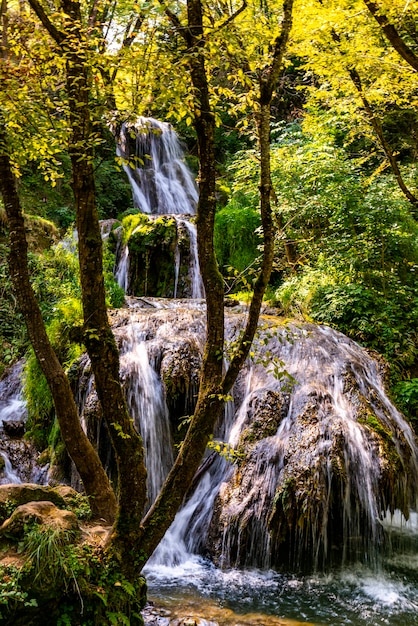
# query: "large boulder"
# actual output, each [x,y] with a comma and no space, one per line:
[322,460]
[43,513]
[13,496]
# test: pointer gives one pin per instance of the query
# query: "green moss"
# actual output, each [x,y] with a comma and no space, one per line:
[39,403]
[152,245]
[373,423]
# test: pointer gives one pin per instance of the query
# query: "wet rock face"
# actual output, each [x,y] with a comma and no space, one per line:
[321,452]
[160,363]
[321,463]
[24,459]
[159,256]
[152,248]
[14,428]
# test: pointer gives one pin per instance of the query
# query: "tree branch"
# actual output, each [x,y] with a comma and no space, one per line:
[232,17]
[377,127]
[55,33]
[392,35]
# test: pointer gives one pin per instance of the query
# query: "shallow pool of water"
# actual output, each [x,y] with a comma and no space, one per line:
[352,596]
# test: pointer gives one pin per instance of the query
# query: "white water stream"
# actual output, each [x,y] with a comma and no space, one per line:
[162,184]
[153,159]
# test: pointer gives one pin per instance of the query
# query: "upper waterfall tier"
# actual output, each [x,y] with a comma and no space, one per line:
[153,159]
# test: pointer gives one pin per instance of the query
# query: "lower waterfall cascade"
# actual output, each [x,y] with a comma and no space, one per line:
[316,490]
[327,456]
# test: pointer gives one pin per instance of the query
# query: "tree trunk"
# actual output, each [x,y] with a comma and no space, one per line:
[213,385]
[97,334]
[81,451]
[392,35]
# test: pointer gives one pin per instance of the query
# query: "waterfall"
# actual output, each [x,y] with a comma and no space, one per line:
[153,159]
[10,475]
[20,459]
[323,459]
[162,185]
[145,396]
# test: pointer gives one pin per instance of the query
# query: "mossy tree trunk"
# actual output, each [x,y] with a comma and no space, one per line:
[85,457]
[214,383]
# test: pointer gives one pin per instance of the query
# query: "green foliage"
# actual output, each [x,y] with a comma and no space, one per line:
[13,338]
[237,239]
[115,295]
[406,396]
[224,449]
[355,240]
[47,552]
[67,315]
[12,596]
[78,583]
[56,203]
[113,191]
[39,402]
[55,276]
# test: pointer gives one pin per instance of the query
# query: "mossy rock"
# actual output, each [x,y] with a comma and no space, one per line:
[12,496]
[152,258]
[43,513]
[41,234]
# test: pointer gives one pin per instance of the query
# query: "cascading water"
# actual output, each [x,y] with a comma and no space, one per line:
[153,159]
[328,459]
[326,470]
[323,456]
[325,473]
[10,476]
[162,185]
[19,458]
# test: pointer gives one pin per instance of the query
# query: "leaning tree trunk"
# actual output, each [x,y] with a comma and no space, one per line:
[101,497]
[97,334]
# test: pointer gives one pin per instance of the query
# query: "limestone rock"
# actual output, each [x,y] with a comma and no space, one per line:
[12,496]
[42,512]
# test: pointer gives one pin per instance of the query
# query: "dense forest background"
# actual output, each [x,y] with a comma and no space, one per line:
[344,170]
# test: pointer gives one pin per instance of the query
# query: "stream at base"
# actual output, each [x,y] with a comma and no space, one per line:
[354,596]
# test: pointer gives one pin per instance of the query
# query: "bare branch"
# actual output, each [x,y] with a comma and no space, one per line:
[232,17]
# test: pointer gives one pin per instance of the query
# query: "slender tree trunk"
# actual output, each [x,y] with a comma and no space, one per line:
[214,385]
[392,34]
[97,334]
[95,481]
[377,126]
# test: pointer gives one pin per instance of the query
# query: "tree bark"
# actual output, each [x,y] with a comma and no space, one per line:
[101,497]
[214,386]
[392,35]
[97,334]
